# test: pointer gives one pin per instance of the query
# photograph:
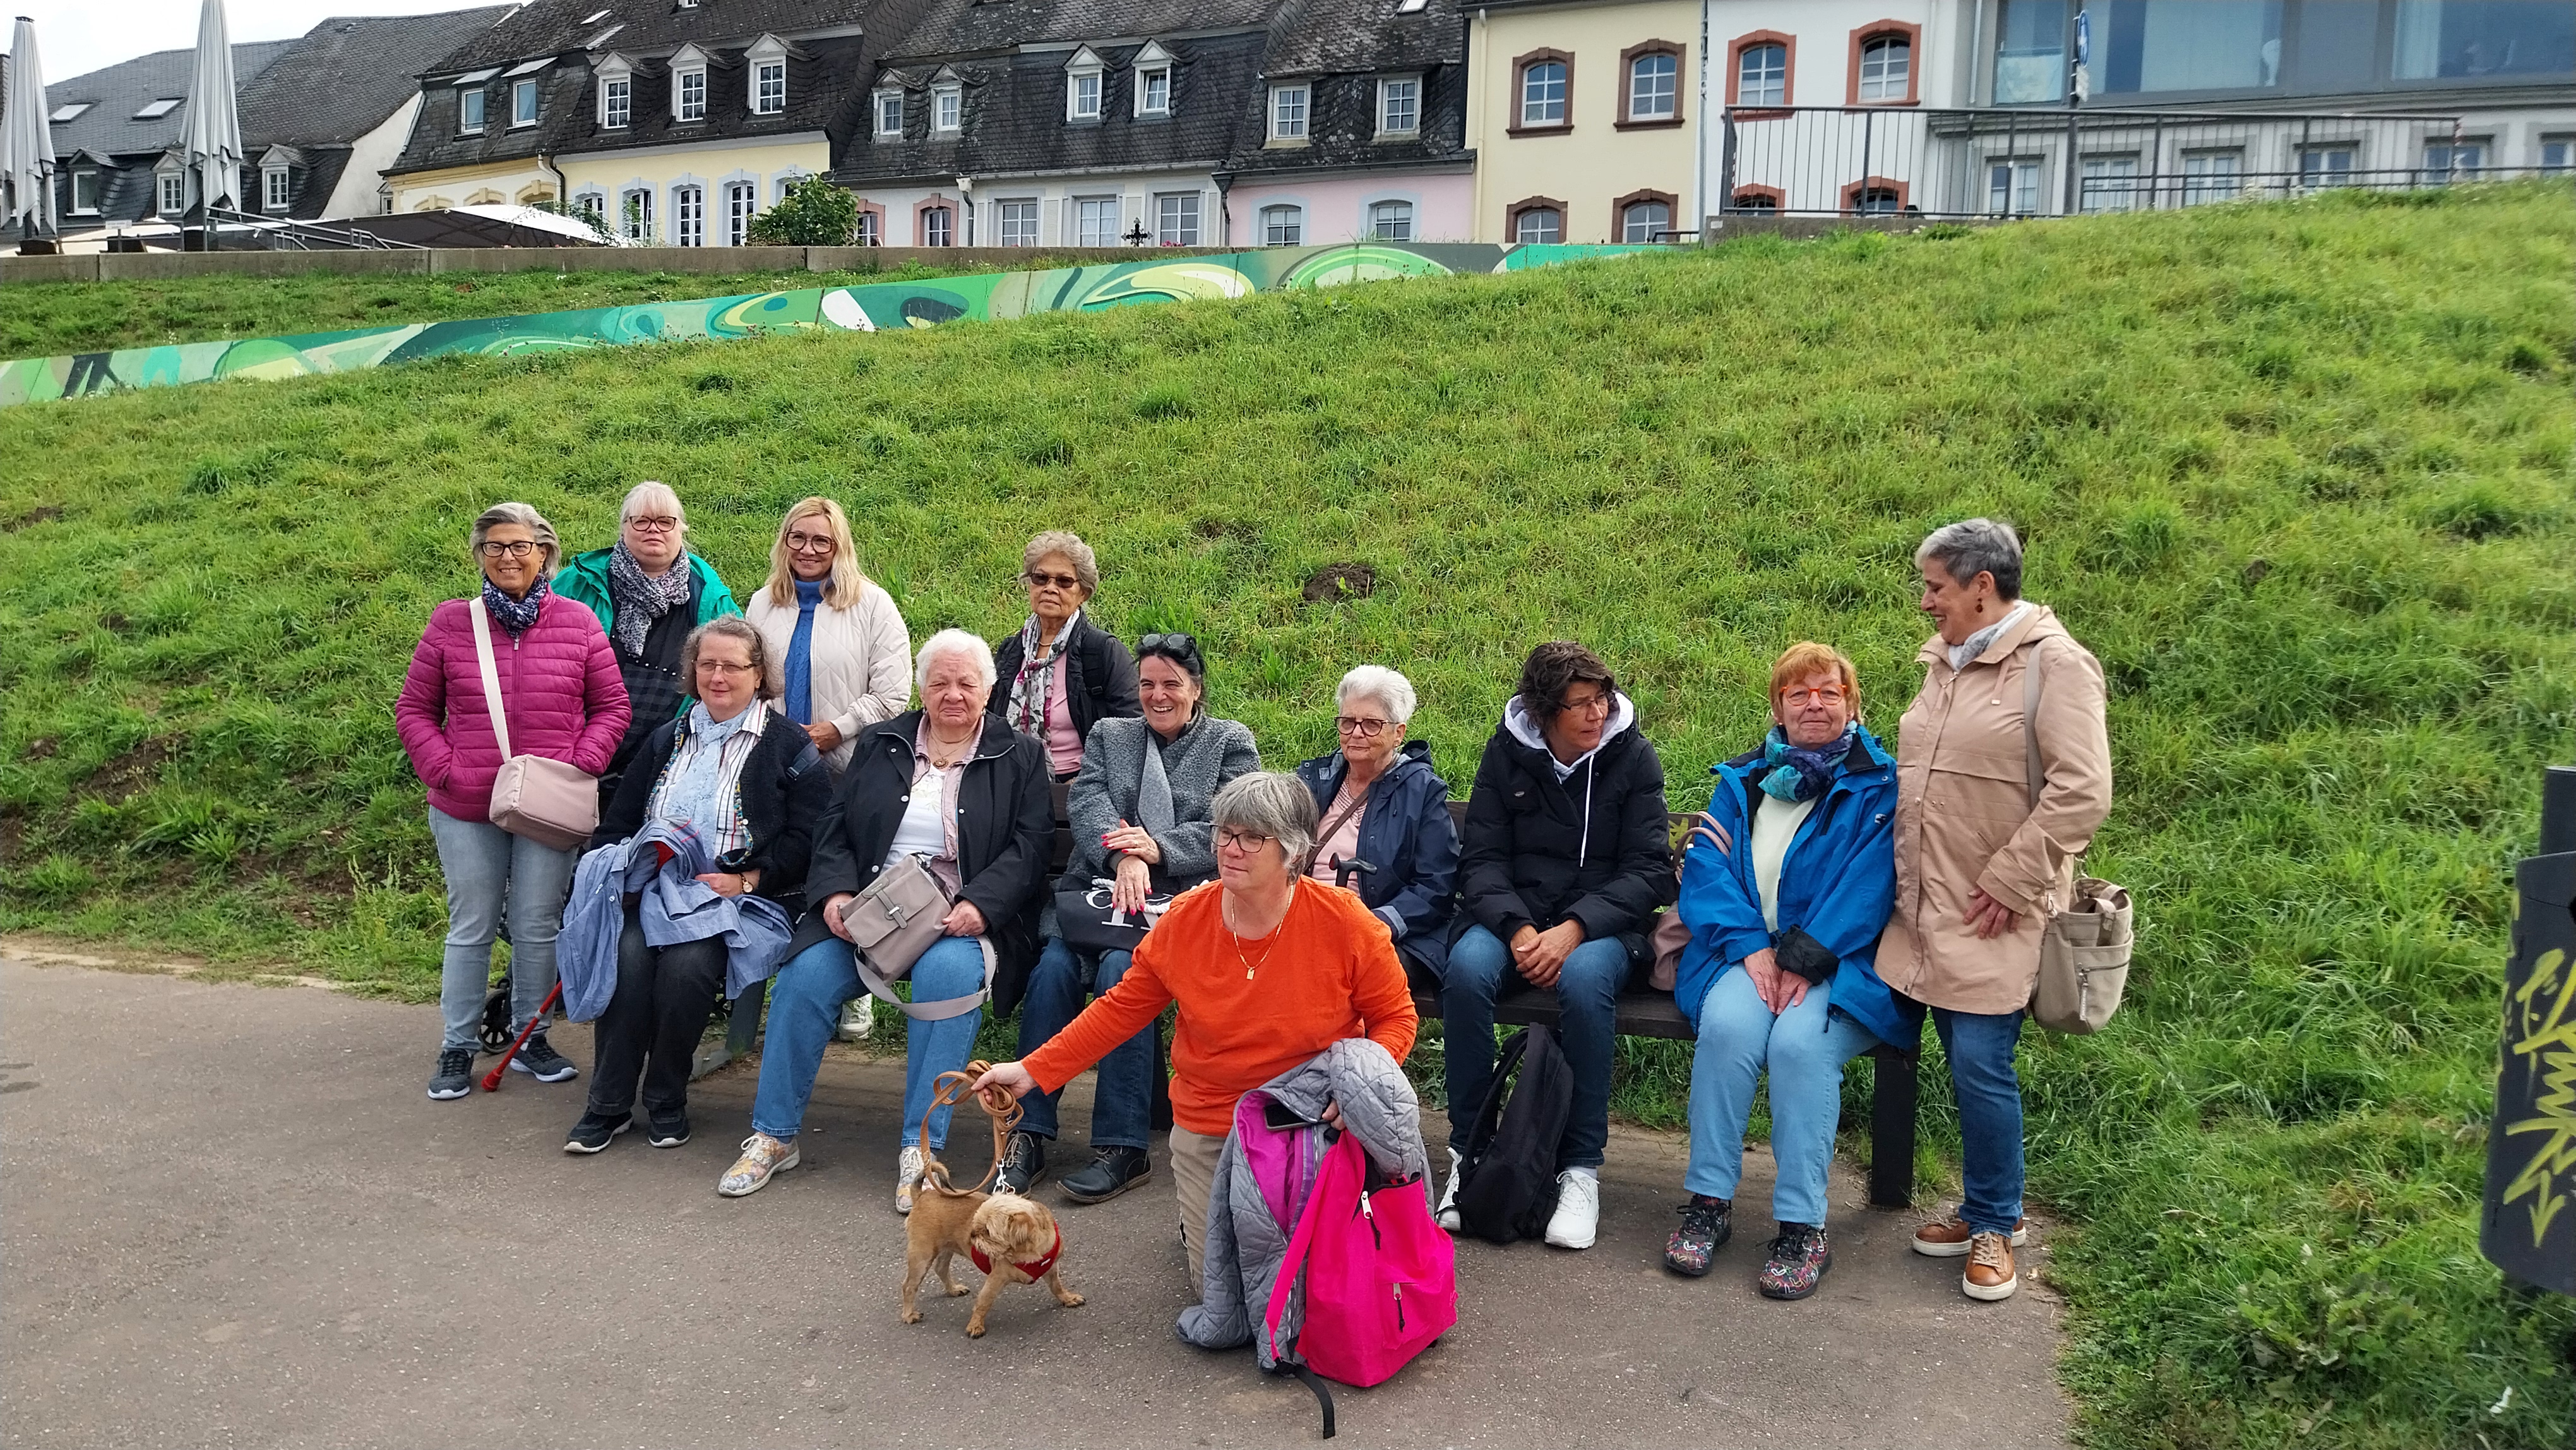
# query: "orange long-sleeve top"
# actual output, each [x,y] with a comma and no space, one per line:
[1330,973]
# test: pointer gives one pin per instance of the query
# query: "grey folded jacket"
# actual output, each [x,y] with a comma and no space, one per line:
[674,906]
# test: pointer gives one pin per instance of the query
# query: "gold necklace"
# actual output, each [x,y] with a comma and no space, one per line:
[958,753]
[1249,965]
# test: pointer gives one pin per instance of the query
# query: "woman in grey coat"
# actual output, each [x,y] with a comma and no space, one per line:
[1139,809]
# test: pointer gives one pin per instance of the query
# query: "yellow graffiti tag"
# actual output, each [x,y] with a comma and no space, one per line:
[2548,1038]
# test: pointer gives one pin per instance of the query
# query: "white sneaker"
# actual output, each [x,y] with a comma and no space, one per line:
[1448,1211]
[1578,1209]
[907,1175]
[857,1017]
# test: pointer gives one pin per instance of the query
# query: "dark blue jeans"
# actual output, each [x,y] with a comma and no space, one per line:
[1587,992]
[1980,1048]
[1122,1095]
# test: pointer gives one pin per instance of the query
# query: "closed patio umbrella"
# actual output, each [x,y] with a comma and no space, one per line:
[26,143]
[211,142]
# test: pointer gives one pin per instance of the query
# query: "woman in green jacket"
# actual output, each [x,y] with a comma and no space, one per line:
[649,591]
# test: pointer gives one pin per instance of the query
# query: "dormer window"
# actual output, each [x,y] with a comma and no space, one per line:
[1153,67]
[616,101]
[85,191]
[689,84]
[889,111]
[1082,77]
[767,62]
[1288,106]
[469,111]
[170,192]
[948,107]
[276,189]
[1399,106]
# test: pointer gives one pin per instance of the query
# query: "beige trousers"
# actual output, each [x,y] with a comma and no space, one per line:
[1194,1158]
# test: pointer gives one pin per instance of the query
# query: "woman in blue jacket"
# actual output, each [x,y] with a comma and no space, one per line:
[1378,800]
[1785,888]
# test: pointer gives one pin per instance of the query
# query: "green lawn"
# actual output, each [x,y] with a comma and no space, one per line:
[2300,474]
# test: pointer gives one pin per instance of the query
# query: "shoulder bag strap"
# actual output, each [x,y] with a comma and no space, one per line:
[491,674]
[940,1011]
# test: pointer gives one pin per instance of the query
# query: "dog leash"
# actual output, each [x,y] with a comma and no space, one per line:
[1000,1104]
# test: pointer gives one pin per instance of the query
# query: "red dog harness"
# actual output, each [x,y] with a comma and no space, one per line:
[1035,1268]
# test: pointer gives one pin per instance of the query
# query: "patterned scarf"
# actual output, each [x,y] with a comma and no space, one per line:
[1975,644]
[636,599]
[1794,773]
[1029,687]
[516,615]
[701,783]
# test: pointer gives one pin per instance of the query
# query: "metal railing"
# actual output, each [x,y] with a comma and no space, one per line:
[1859,161]
[278,234]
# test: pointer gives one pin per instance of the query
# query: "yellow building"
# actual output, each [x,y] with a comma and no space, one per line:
[1584,116]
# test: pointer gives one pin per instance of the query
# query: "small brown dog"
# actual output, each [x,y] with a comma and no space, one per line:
[1014,1240]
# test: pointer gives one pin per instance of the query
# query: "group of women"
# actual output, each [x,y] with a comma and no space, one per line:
[1831,893]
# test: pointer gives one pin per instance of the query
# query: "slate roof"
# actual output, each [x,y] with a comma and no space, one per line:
[347,74]
[563,27]
[108,127]
[1342,47]
[953,28]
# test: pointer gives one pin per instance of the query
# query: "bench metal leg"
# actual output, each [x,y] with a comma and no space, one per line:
[1162,1099]
[1891,1131]
[742,1032]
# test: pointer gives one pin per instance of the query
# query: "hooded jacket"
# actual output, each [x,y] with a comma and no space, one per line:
[1005,831]
[1588,845]
[1836,885]
[1406,833]
[1965,817]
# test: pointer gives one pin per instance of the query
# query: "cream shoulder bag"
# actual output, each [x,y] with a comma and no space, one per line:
[548,801]
[2084,944]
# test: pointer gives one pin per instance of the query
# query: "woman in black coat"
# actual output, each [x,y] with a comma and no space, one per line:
[1061,672]
[968,795]
[1562,866]
[752,787]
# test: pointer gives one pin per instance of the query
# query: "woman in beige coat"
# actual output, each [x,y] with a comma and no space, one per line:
[1983,857]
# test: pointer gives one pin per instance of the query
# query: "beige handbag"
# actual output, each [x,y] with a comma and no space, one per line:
[550,802]
[2084,945]
[892,923]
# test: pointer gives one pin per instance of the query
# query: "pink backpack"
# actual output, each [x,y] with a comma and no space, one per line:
[1381,1278]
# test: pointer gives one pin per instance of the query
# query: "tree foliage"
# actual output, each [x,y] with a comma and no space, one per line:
[813,213]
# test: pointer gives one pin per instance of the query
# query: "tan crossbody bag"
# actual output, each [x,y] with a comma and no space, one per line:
[548,801]
[892,923]
[2084,945]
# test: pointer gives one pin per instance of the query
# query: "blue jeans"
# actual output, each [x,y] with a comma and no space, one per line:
[805,1003]
[1587,992]
[489,870]
[1122,1094]
[1980,1048]
[1805,1049]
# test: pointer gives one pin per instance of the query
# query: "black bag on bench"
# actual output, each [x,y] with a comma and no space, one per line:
[1509,1187]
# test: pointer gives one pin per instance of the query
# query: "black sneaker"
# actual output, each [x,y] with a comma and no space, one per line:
[669,1129]
[592,1133]
[455,1075]
[539,1060]
[1023,1164]
[1112,1172]
[1799,1258]
[1706,1222]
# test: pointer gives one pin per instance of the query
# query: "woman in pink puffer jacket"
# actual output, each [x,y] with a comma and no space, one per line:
[564,701]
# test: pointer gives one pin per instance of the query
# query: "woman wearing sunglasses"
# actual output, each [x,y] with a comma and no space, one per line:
[1379,801]
[1140,814]
[1061,674]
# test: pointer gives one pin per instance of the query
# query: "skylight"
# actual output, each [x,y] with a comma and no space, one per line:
[1409,7]
[68,113]
[594,17]
[159,108]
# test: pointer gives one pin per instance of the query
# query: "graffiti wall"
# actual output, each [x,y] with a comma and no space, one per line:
[876,307]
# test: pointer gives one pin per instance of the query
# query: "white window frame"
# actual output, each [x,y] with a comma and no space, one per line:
[1177,218]
[1672,95]
[1409,89]
[2203,182]
[1015,222]
[1628,228]
[276,188]
[525,89]
[169,193]
[616,101]
[1562,100]
[1095,221]
[1292,106]
[1377,224]
[1763,87]
[1894,81]
[2477,148]
[944,234]
[592,204]
[482,106]
[635,222]
[1086,87]
[870,231]
[684,106]
[765,69]
[1146,76]
[741,204]
[1521,227]
[85,178]
[2327,172]
[787,183]
[1279,217]
[689,215]
[948,108]
[887,104]
[2020,184]
[2105,187]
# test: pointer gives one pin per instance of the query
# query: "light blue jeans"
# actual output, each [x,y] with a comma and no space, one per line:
[805,1004]
[1805,1049]
[489,870]
[1980,1048]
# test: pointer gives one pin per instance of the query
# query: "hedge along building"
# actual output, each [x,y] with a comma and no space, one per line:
[1358,129]
[1057,123]
[673,121]
[1584,117]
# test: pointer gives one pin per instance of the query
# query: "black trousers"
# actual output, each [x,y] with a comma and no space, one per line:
[664,997]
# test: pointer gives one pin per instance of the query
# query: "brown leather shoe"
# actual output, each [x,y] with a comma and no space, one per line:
[1990,1275]
[1948,1238]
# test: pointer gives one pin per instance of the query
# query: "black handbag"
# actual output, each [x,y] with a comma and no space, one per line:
[1088,922]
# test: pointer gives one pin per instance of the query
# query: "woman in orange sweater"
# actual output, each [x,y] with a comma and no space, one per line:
[1269,968]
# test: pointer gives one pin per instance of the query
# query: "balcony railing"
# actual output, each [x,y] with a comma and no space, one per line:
[1860,161]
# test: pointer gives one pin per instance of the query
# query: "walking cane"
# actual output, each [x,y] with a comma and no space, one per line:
[492,1079]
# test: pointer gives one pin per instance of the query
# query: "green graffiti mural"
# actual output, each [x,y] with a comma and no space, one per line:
[876,307]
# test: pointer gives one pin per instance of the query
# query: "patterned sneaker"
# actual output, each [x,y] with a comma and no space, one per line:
[1990,1275]
[1799,1258]
[907,1173]
[1706,1222]
[538,1059]
[762,1156]
[1948,1238]
[454,1077]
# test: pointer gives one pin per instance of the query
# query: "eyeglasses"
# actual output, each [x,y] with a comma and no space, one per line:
[653,523]
[1793,696]
[723,667]
[512,549]
[1039,579]
[1245,841]
[810,543]
[1595,705]
[1364,728]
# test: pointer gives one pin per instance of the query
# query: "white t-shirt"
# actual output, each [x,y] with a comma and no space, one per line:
[922,831]
[1775,824]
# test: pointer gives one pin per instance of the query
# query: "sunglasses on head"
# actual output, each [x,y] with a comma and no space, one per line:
[1178,645]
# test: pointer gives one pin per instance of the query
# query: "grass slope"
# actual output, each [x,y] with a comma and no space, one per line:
[2299,474]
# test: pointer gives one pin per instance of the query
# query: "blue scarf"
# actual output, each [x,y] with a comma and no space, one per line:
[1793,773]
[516,615]
[800,652]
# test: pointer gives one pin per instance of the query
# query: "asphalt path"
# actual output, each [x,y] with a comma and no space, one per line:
[230,1216]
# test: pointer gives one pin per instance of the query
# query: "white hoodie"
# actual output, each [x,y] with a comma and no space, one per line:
[1518,720]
